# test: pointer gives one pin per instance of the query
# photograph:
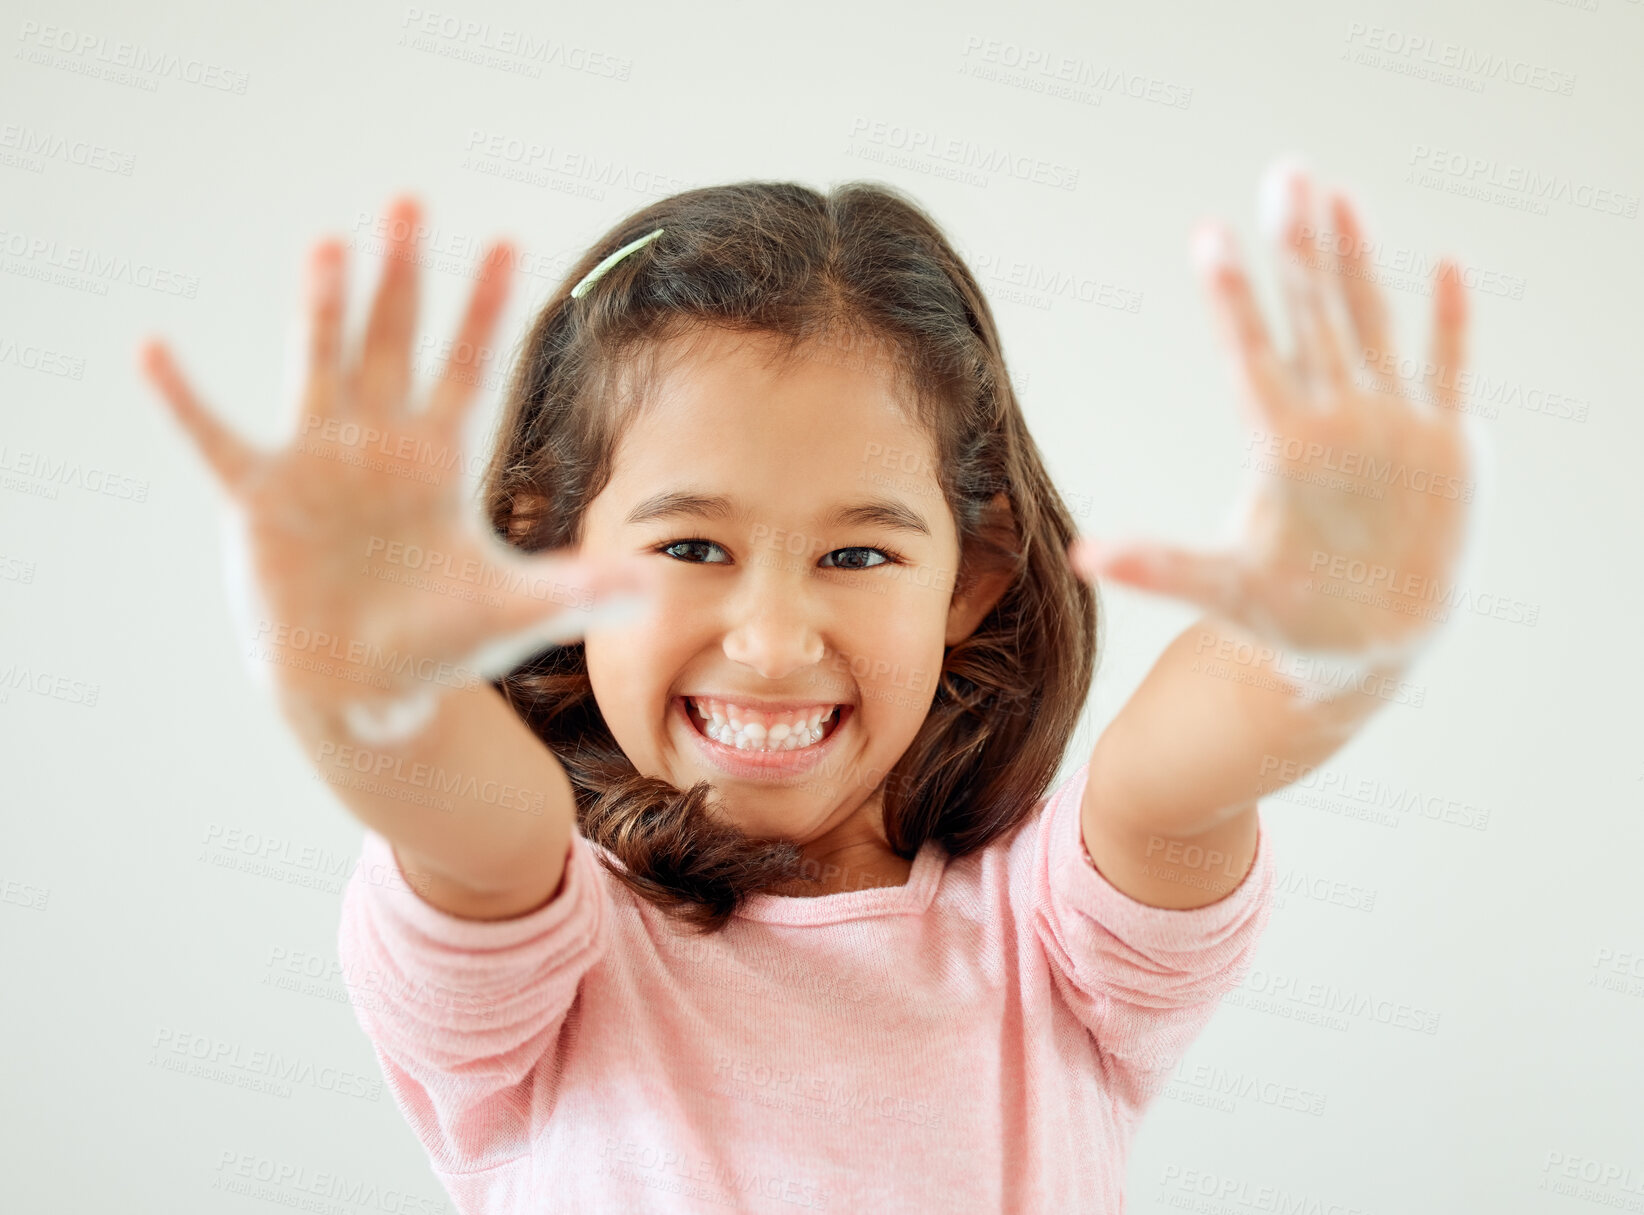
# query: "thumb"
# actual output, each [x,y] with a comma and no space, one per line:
[1208,578]
[555,599]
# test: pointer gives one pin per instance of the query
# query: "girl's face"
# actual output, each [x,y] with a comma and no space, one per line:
[749,488]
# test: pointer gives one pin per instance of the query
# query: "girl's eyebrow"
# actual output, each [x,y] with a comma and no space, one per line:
[873,512]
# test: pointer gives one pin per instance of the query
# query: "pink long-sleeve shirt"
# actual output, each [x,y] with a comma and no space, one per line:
[983,1038]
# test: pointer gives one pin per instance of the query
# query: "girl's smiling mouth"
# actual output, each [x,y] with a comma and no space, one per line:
[758,764]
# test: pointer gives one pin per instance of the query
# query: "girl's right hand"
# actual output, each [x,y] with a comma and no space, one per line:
[339,525]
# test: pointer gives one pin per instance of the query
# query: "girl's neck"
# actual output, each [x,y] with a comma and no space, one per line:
[863,865]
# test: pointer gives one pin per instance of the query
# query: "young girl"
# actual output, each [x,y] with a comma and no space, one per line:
[760,899]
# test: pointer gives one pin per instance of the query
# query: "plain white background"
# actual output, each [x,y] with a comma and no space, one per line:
[178,195]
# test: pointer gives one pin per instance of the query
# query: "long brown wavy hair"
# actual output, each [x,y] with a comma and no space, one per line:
[861,269]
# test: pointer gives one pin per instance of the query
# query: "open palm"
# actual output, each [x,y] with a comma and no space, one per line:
[341,525]
[1355,511]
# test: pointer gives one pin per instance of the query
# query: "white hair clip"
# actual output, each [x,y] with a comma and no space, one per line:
[589,279]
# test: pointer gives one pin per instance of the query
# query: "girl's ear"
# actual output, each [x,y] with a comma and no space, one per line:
[985,572]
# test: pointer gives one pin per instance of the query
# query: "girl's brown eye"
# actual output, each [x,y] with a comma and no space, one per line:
[887,557]
[699,544]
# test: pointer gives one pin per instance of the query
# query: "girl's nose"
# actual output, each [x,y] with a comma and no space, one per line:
[773,631]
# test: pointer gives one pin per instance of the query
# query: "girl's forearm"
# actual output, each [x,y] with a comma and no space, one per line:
[478,810]
[1215,725]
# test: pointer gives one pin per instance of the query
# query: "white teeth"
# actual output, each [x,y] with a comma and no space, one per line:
[726,724]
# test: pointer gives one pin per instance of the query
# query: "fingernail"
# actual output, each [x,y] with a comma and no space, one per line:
[323,272]
[405,211]
[1276,198]
[1212,247]
[1088,556]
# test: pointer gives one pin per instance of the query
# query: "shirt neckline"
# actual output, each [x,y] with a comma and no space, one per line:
[910,898]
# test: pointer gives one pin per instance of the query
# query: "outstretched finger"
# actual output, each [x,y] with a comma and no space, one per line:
[382,381]
[1212,580]
[556,599]
[1286,216]
[230,458]
[1365,305]
[1326,354]
[454,390]
[326,296]
[1265,384]
[1449,350]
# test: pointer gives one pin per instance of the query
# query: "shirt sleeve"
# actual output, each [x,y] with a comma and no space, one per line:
[1143,980]
[460,1011]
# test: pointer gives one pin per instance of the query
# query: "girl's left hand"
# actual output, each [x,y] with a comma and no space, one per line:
[1354,516]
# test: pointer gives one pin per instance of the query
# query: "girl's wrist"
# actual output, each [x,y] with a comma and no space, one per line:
[1319,674]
